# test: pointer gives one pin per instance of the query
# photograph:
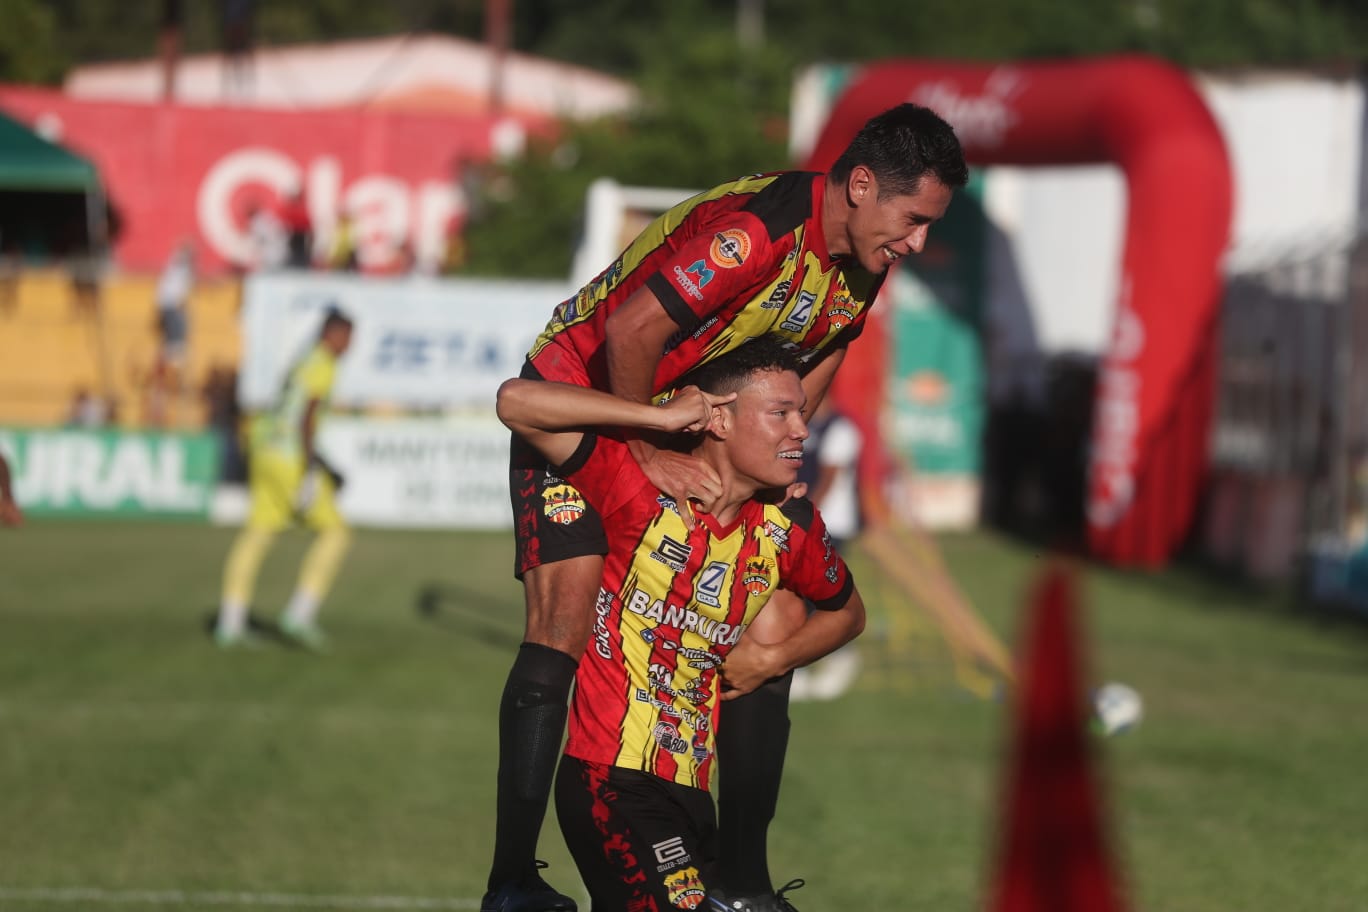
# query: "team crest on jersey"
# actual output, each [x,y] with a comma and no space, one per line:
[685,889]
[730,248]
[563,504]
[757,574]
[841,313]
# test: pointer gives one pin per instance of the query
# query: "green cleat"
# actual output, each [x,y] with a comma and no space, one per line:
[305,634]
[243,639]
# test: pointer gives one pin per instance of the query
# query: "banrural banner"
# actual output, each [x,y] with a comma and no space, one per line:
[95,472]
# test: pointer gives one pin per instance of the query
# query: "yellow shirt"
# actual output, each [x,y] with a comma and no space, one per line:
[278,430]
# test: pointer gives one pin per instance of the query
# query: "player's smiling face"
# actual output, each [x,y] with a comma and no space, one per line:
[883,231]
[769,429]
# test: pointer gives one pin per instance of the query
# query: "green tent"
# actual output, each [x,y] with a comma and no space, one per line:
[29,162]
[51,201]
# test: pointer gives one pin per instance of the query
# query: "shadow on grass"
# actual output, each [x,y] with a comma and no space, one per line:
[468,613]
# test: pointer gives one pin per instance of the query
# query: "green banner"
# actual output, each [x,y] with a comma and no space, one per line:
[936,375]
[61,472]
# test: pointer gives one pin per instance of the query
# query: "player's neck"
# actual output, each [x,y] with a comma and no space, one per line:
[737,489]
[835,217]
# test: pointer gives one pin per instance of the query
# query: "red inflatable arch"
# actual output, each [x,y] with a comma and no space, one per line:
[1155,382]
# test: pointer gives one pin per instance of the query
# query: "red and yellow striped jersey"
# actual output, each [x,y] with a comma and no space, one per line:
[740,261]
[672,605]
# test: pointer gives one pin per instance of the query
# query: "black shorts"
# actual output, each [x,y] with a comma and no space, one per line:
[551,519]
[640,842]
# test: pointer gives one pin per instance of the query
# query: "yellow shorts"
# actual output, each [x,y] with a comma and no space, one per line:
[274,484]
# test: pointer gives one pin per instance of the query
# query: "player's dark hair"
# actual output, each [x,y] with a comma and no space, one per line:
[729,372]
[901,146]
[334,316]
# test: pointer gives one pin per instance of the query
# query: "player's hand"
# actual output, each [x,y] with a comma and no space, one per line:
[690,410]
[685,478]
[307,491]
[10,514]
[749,665]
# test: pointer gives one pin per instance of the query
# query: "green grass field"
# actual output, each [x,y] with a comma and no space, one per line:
[141,768]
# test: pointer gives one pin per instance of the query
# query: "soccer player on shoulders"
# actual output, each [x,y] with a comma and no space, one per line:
[795,254]
[674,601]
[290,484]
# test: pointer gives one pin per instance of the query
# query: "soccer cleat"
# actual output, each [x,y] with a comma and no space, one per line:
[530,895]
[243,639]
[720,901]
[304,633]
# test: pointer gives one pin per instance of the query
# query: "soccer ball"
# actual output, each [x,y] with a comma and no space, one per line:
[1117,708]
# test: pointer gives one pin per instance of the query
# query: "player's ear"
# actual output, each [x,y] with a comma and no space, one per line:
[719,425]
[861,185]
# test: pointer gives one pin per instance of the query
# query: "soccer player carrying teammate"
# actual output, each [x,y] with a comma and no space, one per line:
[291,484]
[796,254]
[631,793]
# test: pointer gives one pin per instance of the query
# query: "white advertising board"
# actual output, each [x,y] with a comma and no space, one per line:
[419,343]
[421,472]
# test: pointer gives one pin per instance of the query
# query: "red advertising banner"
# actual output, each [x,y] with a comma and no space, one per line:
[175,172]
[1155,385]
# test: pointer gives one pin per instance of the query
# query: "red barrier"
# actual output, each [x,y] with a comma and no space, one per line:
[1155,384]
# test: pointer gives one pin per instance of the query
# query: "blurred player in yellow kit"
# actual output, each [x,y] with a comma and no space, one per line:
[290,484]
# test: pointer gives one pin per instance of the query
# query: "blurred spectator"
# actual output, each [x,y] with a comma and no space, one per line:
[225,420]
[267,238]
[9,276]
[164,381]
[89,411]
[342,251]
[294,215]
[10,514]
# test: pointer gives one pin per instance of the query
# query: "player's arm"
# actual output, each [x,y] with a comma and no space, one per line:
[552,416]
[636,334]
[10,514]
[308,429]
[752,662]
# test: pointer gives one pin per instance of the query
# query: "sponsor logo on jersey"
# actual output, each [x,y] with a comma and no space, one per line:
[666,734]
[778,534]
[693,279]
[797,320]
[700,747]
[756,575]
[779,297]
[670,853]
[685,889]
[563,504]
[671,553]
[603,606]
[730,248]
[681,619]
[708,588]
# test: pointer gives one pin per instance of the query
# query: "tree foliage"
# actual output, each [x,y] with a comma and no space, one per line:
[714,105]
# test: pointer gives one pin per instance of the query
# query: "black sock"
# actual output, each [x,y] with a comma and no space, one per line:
[752,738]
[531,723]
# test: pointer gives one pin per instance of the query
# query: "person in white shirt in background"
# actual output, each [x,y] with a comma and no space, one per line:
[834,444]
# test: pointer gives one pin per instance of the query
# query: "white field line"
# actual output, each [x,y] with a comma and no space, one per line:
[227,898]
